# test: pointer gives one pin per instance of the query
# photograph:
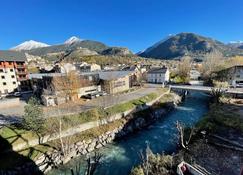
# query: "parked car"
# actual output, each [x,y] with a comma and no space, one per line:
[17,94]
[89,96]
[13,94]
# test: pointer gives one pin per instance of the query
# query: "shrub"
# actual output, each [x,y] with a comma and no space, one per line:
[33,116]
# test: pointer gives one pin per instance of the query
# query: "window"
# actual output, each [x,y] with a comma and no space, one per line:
[14,82]
[12,76]
[4,83]
[3,77]
[11,70]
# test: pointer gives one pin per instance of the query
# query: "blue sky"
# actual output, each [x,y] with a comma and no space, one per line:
[135,24]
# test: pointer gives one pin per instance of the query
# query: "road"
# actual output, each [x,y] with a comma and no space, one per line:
[12,113]
[103,102]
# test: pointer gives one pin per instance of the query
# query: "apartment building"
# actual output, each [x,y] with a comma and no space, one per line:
[13,72]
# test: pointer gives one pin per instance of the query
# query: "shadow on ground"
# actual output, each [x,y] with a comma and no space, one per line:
[10,161]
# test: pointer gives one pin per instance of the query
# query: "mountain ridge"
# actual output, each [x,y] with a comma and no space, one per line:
[187,43]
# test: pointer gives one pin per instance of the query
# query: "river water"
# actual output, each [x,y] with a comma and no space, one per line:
[120,156]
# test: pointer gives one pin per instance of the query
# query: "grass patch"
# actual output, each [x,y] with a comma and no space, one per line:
[15,135]
[131,104]
[220,115]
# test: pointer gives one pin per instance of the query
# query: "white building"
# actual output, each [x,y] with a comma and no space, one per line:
[194,74]
[85,67]
[235,76]
[13,71]
[158,75]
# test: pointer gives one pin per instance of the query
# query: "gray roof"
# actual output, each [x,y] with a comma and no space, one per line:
[111,75]
[41,75]
[7,55]
[104,75]
[158,70]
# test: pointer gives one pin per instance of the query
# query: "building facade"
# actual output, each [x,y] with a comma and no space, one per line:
[54,88]
[158,75]
[115,81]
[13,72]
[85,67]
[235,76]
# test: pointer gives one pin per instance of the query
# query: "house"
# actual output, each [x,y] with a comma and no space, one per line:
[195,74]
[233,75]
[158,75]
[115,81]
[13,72]
[53,88]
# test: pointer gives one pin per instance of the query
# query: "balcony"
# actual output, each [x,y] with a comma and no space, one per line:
[22,79]
[19,65]
[21,72]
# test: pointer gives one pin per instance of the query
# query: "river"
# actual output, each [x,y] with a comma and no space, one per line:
[120,156]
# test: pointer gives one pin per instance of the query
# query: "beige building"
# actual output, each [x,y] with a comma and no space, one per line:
[115,81]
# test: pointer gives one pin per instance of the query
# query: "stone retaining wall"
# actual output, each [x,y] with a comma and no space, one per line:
[54,158]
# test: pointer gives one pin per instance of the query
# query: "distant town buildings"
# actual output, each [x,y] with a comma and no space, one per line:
[195,74]
[13,72]
[85,67]
[88,83]
[158,75]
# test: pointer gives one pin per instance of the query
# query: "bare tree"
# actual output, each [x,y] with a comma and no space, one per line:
[93,163]
[184,67]
[181,129]
[62,143]
[213,62]
[66,86]
[217,93]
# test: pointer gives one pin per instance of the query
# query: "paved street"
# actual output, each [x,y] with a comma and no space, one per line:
[11,113]
[104,102]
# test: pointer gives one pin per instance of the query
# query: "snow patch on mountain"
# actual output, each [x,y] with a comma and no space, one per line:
[28,45]
[236,42]
[72,40]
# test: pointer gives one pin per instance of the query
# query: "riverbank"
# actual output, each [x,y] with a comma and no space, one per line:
[216,143]
[120,156]
[93,139]
[104,135]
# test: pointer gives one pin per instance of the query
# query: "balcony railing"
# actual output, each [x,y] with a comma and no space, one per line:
[22,78]
[21,72]
[20,65]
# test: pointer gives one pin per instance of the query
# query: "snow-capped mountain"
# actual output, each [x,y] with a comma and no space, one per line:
[72,40]
[28,45]
[236,44]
